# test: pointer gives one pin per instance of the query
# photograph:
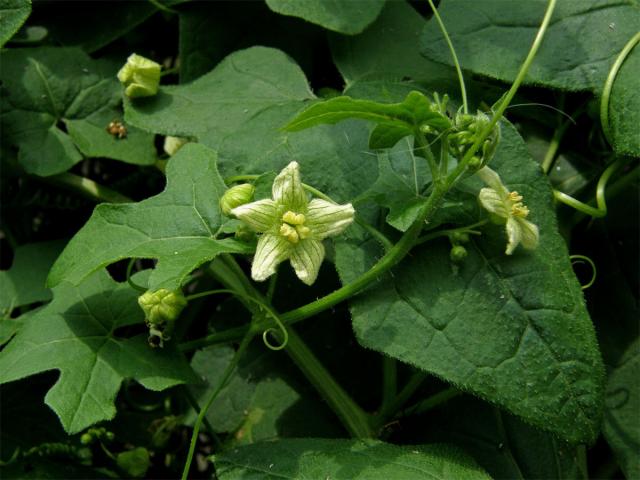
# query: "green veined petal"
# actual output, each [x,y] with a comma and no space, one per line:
[271,251]
[288,191]
[260,216]
[326,219]
[306,259]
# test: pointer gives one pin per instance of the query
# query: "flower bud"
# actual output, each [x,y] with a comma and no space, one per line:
[161,309]
[140,76]
[86,439]
[475,163]
[236,196]
[458,254]
[173,144]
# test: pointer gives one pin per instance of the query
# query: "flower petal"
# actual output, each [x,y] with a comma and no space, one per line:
[306,258]
[529,234]
[271,251]
[492,179]
[514,235]
[260,215]
[493,202]
[287,189]
[326,219]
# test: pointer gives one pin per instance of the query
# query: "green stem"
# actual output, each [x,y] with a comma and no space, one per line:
[424,150]
[226,336]
[355,420]
[433,401]
[86,187]
[196,408]
[608,85]
[130,281]
[352,416]
[389,381]
[448,232]
[403,397]
[452,50]
[225,378]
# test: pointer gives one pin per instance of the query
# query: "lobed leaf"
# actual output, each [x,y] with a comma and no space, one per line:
[75,334]
[177,227]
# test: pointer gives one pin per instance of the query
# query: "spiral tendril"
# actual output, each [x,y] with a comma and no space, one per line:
[577,259]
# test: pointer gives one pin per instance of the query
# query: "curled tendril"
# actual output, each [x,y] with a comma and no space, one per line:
[281,328]
[582,259]
[130,281]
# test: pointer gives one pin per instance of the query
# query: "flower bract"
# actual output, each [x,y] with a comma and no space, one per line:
[292,227]
[507,208]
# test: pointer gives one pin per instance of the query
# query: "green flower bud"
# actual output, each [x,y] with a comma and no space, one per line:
[161,309]
[140,76]
[173,144]
[86,439]
[459,237]
[236,196]
[458,254]
[475,163]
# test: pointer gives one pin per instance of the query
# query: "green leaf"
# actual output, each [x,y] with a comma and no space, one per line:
[579,47]
[75,335]
[239,109]
[47,87]
[389,48]
[395,121]
[216,104]
[510,329]
[342,16]
[624,106]
[134,462]
[345,459]
[178,227]
[92,139]
[262,400]
[24,282]
[621,426]
[13,13]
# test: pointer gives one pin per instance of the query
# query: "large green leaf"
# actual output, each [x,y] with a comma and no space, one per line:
[389,48]
[13,13]
[511,329]
[216,104]
[621,422]
[579,47]
[178,227]
[44,88]
[345,460]
[75,334]
[239,109]
[343,16]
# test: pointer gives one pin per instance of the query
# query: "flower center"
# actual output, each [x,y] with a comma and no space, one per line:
[293,228]
[518,209]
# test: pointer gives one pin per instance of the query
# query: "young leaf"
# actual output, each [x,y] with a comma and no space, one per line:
[342,16]
[345,459]
[513,330]
[395,120]
[579,47]
[177,227]
[13,13]
[621,427]
[75,335]
[47,87]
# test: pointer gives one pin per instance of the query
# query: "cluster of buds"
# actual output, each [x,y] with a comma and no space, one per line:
[467,128]
[140,76]
[161,308]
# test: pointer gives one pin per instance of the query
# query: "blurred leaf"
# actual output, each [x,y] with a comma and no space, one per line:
[135,462]
[345,460]
[13,13]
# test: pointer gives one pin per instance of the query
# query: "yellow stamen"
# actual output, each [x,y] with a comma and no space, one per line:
[303,232]
[293,218]
[515,197]
[290,233]
[519,210]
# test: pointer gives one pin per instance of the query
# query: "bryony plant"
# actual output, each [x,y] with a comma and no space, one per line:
[292,227]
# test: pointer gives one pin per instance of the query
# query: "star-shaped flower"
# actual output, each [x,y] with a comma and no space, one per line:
[507,208]
[292,227]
